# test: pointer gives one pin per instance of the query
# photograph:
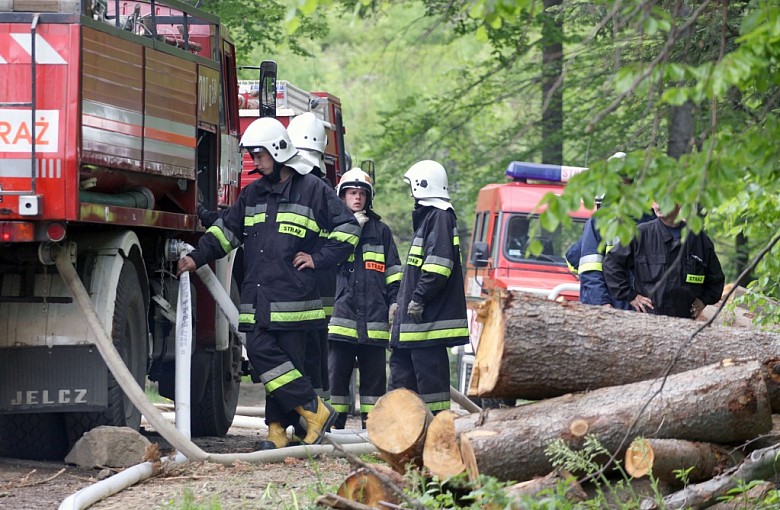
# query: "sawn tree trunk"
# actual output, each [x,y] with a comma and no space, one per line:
[533,348]
[722,403]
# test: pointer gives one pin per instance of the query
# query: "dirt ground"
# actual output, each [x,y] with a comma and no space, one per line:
[294,483]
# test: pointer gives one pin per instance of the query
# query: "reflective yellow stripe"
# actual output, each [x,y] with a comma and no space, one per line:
[328,310]
[280,381]
[252,220]
[340,408]
[436,268]
[298,219]
[416,336]
[414,261]
[438,406]
[591,266]
[374,256]
[415,250]
[223,242]
[456,241]
[694,278]
[341,330]
[246,318]
[364,408]
[378,334]
[344,238]
[393,278]
[309,315]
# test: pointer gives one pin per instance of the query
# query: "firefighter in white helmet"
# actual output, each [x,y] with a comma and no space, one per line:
[308,135]
[431,312]
[279,219]
[366,286]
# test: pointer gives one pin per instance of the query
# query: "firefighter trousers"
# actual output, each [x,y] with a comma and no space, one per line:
[372,367]
[424,370]
[278,356]
[316,362]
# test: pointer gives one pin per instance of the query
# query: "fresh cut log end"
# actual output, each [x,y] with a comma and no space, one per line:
[490,347]
[441,452]
[397,425]
[365,486]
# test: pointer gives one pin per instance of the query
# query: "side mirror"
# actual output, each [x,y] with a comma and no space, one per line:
[479,256]
[268,88]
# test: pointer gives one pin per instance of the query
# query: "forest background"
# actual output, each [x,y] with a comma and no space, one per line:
[689,89]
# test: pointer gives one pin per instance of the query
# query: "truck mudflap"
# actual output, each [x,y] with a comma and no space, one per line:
[52,379]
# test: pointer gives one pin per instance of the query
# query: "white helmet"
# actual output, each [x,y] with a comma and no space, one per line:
[358,179]
[269,134]
[428,180]
[308,132]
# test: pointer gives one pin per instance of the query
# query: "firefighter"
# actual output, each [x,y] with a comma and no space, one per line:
[593,287]
[670,276]
[308,135]
[367,287]
[278,219]
[431,312]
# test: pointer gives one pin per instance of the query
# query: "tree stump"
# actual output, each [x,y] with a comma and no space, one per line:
[397,425]
[533,348]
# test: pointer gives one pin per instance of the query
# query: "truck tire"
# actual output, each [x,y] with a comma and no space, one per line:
[34,436]
[129,331]
[214,413]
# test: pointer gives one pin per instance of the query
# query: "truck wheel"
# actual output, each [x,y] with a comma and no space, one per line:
[129,333]
[34,436]
[214,414]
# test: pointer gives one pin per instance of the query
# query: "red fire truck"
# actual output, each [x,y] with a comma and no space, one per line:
[506,223]
[288,101]
[116,119]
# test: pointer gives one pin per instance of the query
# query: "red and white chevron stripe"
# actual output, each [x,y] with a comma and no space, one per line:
[16,48]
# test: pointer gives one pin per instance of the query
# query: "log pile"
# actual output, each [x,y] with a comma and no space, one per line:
[668,402]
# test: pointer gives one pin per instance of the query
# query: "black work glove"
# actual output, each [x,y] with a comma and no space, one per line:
[415,311]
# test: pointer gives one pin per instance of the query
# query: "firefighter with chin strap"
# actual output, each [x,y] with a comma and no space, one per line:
[431,312]
[279,219]
[308,135]
[366,289]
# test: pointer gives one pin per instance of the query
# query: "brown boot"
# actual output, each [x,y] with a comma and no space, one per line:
[319,416]
[277,437]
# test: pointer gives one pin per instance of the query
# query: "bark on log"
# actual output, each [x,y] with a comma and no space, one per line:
[550,481]
[397,425]
[366,487]
[722,403]
[665,458]
[751,498]
[534,348]
[441,451]
[761,464]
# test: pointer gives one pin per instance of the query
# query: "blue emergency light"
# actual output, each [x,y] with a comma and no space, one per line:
[521,170]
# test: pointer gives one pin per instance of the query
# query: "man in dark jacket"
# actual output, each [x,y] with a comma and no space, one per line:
[366,288]
[431,301]
[279,219]
[671,277]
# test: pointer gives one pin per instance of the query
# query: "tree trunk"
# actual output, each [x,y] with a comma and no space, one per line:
[722,403]
[533,348]
[666,458]
[552,83]
[548,482]
[367,487]
[397,425]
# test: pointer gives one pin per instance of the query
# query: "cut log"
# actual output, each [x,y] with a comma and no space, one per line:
[751,498]
[341,503]
[666,458]
[397,425]
[367,487]
[534,348]
[441,451]
[550,481]
[722,403]
[761,464]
